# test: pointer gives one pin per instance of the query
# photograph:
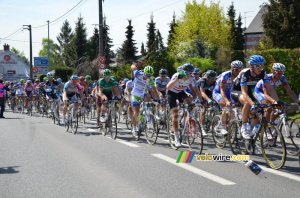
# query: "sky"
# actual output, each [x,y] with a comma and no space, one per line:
[16,13]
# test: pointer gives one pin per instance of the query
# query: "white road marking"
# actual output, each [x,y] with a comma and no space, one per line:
[127,143]
[92,130]
[197,171]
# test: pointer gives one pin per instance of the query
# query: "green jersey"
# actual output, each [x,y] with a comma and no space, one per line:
[107,86]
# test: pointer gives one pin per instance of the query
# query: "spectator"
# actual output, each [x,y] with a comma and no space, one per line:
[1,98]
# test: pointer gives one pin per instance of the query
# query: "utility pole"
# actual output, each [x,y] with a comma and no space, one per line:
[48,49]
[101,53]
[28,27]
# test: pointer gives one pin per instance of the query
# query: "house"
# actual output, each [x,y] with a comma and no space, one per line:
[12,68]
[255,32]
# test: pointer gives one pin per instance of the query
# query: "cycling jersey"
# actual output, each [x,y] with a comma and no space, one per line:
[182,84]
[71,89]
[224,78]
[12,90]
[90,86]
[28,88]
[140,85]
[19,88]
[107,86]
[161,85]
[52,85]
[258,90]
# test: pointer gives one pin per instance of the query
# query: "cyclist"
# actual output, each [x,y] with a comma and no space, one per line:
[19,91]
[71,89]
[206,84]
[140,84]
[95,93]
[123,101]
[243,86]
[176,91]
[107,88]
[127,96]
[161,85]
[221,92]
[196,75]
[276,78]
[29,91]
[82,83]
[12,93]
[89,82]
[50,86]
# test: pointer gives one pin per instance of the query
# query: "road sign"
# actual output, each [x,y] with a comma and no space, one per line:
[41,61]
[102,59]
[35,70]
[102,66]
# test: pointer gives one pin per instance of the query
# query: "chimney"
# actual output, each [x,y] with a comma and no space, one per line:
[6,47]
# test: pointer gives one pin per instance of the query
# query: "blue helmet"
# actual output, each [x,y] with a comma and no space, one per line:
[59,80]
[125,80]
[188,67]
[256,59]
[74,77]
[196,71]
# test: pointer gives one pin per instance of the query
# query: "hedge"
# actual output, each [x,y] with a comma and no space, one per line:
[64,73]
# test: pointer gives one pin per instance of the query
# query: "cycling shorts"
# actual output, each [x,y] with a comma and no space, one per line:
[172,97]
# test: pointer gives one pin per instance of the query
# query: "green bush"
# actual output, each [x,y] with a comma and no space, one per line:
[64,73]
[203,64]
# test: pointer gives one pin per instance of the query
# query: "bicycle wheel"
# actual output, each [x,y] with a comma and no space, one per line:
[151,129]
[220,140]
[193,131]
[236,142]
[288,132]
[75,124]
[170,132]
[128,123]
[58,118]
[68,121]
[295,134]
[273,150]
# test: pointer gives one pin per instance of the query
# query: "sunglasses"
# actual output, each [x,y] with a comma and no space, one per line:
[258,66]
[106,76]
[279,73]
[163,76]
[237,69]
[212,78]
[74,81]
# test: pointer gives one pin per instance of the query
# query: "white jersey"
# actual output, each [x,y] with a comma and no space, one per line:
[161,85]
[182,84]
[139,84]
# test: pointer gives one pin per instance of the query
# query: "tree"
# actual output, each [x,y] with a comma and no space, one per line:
[143,51]
[93,49]
[281,22]
[79,43]
[64,39]
[240,39]
[128,49]
[20,55]
[200,21]
[107,44]
[152,44]
[231,20]
[171,35]
[55,58]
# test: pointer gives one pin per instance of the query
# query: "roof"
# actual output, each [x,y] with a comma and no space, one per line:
[256,24]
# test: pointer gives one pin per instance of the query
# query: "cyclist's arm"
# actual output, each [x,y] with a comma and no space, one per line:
[128,91]
[65,94]
[172,83]
[223,92]
[246,97]
[196,92]
[267,97]
[271,91]
[154,93]
[101,94]
[203,94]
[291,93]
[116,91]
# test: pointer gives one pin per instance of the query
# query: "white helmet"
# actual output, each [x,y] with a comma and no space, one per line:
[278,67]
[237,64]
[49,75]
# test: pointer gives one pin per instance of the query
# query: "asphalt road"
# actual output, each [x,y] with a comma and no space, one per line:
[40,159]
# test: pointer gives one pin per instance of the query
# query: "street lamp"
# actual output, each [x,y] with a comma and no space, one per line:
[28,27]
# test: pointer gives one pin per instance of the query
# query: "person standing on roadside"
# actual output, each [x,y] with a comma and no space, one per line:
[2,89]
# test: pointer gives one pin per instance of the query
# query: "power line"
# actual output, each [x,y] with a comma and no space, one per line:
[20,41]
[13,33]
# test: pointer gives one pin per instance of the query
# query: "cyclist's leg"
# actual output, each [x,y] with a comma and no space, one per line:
[222,102]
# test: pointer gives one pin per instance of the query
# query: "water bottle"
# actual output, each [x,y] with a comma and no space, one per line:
[255,129]
[256,169]
[249,127]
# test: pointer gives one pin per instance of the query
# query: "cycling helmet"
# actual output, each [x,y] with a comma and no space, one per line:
[74,78]
[278,67]
[22,80]
[196,71]
[163,72]
[188,67]
[81,78]
[256,59]
[179,68]
[211,74]
[107,73]
[45,78]
[28,81]
[37,80]
[236,64]
[59,80]
[49,75]
[125,80]
[88,77]
[148,70]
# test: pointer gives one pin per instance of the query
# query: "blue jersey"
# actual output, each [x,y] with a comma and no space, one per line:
[260,85]
[224,78]
[161,85]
